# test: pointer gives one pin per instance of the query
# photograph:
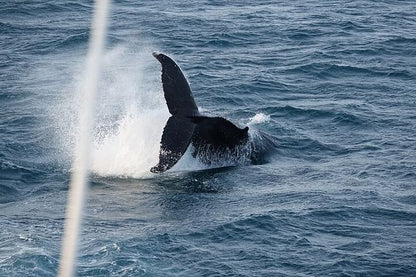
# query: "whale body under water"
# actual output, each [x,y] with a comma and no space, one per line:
[210,136]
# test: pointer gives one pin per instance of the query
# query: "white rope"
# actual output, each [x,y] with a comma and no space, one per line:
[79,177]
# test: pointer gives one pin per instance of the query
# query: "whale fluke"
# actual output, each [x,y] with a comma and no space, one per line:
[177,91]
[186,125]
[176,138]
[179,129]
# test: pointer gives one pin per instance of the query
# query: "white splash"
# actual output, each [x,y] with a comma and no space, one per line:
[188,163]
[133,147]
[258,118]
[130,114]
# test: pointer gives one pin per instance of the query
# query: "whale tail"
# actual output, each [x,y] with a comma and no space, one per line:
[178,131]
[186,124]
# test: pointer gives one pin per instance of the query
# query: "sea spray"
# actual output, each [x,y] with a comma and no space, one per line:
[129,118]
[133,147]
[258,118]
[130,122]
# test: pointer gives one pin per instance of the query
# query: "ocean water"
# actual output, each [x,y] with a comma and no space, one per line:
[331,83]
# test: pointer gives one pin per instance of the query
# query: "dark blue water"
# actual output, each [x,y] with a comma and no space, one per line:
[333,83]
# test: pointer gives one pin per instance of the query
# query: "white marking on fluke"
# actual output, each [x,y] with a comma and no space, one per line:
[80,166]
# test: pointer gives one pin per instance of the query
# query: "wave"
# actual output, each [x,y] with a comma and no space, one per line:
[15,181]
[8,193]
[73,40]
[336,116]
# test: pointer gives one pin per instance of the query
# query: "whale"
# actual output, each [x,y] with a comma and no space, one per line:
[209,136]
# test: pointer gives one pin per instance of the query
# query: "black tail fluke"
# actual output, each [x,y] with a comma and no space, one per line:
[175,140]
[178,131]
[177,91]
